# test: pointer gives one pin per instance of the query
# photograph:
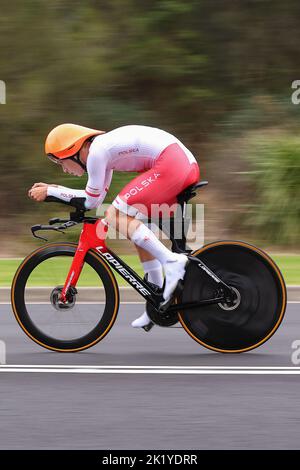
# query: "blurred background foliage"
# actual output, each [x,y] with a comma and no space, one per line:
[217,74]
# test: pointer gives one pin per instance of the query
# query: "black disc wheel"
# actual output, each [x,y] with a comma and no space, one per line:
[260,298]
[87,315]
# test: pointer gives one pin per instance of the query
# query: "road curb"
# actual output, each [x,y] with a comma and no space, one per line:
[94,294]
[293,293]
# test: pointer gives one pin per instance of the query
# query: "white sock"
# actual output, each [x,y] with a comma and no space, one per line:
[155,275]
[146,239]
[154,270]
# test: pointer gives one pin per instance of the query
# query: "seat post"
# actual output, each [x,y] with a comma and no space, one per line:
[178,244]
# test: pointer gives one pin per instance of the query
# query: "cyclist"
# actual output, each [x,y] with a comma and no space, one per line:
[167,167]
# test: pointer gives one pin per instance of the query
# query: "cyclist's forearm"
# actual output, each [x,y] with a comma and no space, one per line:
[66,194]
[63,193]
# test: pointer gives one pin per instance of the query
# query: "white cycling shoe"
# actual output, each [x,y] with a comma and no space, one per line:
[143,322]
[174,272]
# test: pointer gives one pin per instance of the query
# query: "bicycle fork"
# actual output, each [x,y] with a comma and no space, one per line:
[92,234]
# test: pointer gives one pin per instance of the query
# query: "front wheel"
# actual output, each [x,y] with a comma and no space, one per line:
[90,310]
[260,298]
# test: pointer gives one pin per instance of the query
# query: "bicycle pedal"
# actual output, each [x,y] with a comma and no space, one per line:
[148,327]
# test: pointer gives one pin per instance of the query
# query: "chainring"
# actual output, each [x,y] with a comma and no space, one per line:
[161,318]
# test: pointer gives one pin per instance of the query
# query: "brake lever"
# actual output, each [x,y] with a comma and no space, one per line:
[34,229]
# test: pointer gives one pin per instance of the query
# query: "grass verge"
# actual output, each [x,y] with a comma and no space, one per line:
[52,271]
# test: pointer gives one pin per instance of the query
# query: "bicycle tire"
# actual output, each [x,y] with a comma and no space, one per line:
[263,298]
[23,318]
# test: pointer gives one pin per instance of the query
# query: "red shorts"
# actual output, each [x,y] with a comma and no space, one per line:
[171,173]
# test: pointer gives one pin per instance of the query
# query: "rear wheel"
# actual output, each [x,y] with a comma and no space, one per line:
[260,298]
[90,310]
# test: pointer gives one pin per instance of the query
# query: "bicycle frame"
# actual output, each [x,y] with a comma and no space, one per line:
[93,236]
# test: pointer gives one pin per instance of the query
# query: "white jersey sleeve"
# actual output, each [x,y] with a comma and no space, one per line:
[99,177]
[92,200]
[99,180]
[65,194]
[96,189]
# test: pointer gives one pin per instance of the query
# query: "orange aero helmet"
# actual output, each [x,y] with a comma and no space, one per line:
[65,140]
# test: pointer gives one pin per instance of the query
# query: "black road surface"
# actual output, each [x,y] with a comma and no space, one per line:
[128,410]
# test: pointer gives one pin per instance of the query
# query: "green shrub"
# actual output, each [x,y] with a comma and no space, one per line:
[275,208]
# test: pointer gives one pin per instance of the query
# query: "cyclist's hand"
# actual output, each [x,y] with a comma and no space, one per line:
[39,185]
[38,192]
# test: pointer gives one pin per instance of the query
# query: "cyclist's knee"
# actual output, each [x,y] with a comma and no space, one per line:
[112,216]
[121,222]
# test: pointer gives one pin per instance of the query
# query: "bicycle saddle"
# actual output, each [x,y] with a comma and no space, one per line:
[190,191]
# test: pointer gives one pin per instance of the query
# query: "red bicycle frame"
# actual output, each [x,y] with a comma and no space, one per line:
[92,236]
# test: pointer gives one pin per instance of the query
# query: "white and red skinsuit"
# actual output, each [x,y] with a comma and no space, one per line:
[165,165]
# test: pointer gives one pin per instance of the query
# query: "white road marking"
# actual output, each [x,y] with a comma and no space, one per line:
[121,302]
[178,370]
[80,303]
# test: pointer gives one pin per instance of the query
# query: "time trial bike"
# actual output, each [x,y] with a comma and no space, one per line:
[65,296]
